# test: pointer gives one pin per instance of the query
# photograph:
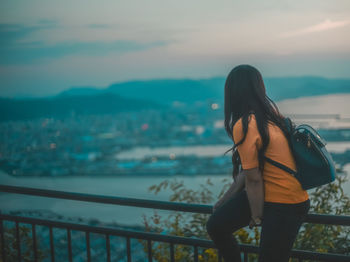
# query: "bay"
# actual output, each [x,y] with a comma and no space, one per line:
[202,151]
[135,187]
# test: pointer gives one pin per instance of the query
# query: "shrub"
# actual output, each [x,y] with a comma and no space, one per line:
[327,199]
[10,245]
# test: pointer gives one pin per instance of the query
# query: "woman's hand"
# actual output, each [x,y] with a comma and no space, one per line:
[255,222]
[251,223]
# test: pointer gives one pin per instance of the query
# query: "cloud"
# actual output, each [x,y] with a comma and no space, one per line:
[323,26]
[14,50]
[11,33]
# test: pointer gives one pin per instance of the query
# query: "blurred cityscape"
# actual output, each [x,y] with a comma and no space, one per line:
[147,142]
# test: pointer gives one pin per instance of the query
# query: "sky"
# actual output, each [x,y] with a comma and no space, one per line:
[48,46]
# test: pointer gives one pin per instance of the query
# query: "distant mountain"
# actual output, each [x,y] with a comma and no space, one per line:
[82,90]
[136,95]
[163,91]
[190,91]
[61,106]
[279,88]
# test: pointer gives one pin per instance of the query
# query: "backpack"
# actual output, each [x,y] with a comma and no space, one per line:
[315,166]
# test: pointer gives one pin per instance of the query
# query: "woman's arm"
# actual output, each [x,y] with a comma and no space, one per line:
[235,187]
[255,191]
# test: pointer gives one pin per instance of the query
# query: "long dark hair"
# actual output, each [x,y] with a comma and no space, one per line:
[245,94]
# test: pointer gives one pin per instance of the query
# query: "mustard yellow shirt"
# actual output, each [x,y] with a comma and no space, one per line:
[279,185]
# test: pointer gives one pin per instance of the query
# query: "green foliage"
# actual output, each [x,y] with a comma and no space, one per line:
[26,241]
[328,199]
[189,224]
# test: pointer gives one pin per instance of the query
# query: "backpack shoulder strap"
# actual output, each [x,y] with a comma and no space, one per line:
[281,166]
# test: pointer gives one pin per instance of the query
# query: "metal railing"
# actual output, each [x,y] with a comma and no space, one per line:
[133,234]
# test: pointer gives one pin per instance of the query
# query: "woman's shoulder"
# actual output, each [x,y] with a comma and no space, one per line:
[238,126]
[251,121]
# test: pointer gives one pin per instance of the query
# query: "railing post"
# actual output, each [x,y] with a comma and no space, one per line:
[172,254]
[3,241]
[88,254]
[195,253]
[52,248]
[245,256]
[69,243]
[149,245]
[34,243]
[18,243]
[108,247]
[128,249]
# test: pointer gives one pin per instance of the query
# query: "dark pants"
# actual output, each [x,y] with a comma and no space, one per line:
[279,228]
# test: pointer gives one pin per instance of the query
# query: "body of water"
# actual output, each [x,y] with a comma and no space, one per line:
[136,187]
[202,151]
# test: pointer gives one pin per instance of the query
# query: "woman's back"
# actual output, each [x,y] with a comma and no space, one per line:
[280,186]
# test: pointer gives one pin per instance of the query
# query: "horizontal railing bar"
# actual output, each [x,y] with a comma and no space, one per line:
[124,201]
[157,204]
[163,238]
[109,230]
[303,254]
[338,220]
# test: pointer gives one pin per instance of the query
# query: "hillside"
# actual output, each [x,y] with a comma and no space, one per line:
[61,106]
[189,90]
[141,94]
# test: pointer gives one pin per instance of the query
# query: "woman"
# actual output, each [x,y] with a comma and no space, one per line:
[261,193]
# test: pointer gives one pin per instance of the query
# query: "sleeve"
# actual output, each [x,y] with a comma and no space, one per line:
[248,150]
